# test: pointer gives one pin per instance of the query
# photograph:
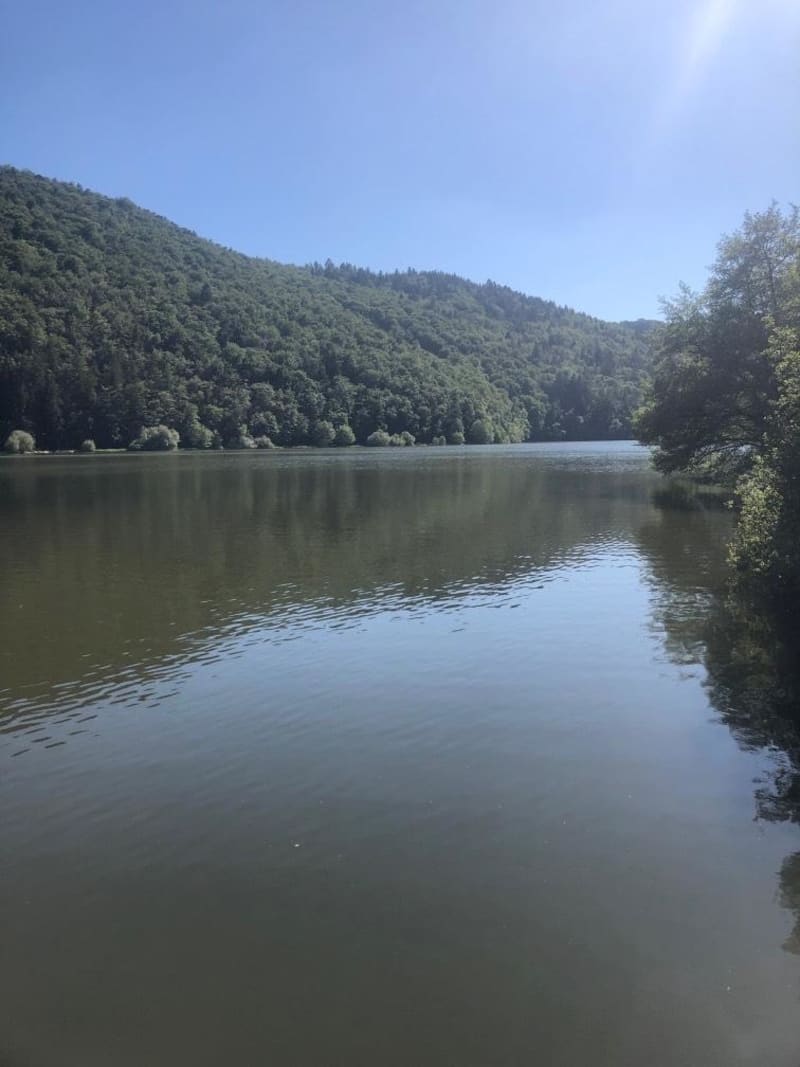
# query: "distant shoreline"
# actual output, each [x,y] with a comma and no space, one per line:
[62,453]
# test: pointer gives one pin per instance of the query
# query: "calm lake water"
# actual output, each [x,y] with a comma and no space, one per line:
[410,757]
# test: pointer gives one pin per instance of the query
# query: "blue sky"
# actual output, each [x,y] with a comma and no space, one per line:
[588,152]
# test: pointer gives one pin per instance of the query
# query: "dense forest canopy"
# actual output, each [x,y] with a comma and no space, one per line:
[725,396]
[113,319]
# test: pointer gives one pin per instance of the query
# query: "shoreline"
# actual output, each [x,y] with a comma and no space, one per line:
[61,453]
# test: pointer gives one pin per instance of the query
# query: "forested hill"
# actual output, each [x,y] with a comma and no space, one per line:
[112,318]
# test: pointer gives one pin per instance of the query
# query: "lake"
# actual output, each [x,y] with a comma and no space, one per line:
[387,757]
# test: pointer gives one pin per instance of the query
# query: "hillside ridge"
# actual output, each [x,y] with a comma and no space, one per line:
[113,318]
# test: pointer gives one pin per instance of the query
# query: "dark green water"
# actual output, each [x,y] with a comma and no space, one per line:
[417,757]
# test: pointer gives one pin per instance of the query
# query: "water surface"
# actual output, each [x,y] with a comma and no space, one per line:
[422,756]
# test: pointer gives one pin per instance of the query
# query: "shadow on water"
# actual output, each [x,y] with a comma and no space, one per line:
[750,657]
[680,494]
[754,683]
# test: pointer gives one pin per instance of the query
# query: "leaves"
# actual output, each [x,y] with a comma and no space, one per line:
[725,397]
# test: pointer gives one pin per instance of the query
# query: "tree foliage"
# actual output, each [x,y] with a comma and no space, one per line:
[323,433]
[379,439]
[344,436]
[155,439]
[18,442]
[766,549]
[112,318]
[481,432]
[714,383]
[725,399]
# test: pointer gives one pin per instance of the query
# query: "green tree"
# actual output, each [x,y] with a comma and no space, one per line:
[198,435]
[344,436]
[766,548]
[19,441]
[155,439]
[713,383]
[725,399]
[323,433]
[481,432]
[240,440]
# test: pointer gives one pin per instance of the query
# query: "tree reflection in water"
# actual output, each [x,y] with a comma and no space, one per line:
[750,656]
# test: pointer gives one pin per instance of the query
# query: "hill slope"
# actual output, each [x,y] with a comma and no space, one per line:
[112,318]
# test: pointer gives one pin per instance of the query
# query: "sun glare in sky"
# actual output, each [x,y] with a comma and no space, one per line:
[704,38]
